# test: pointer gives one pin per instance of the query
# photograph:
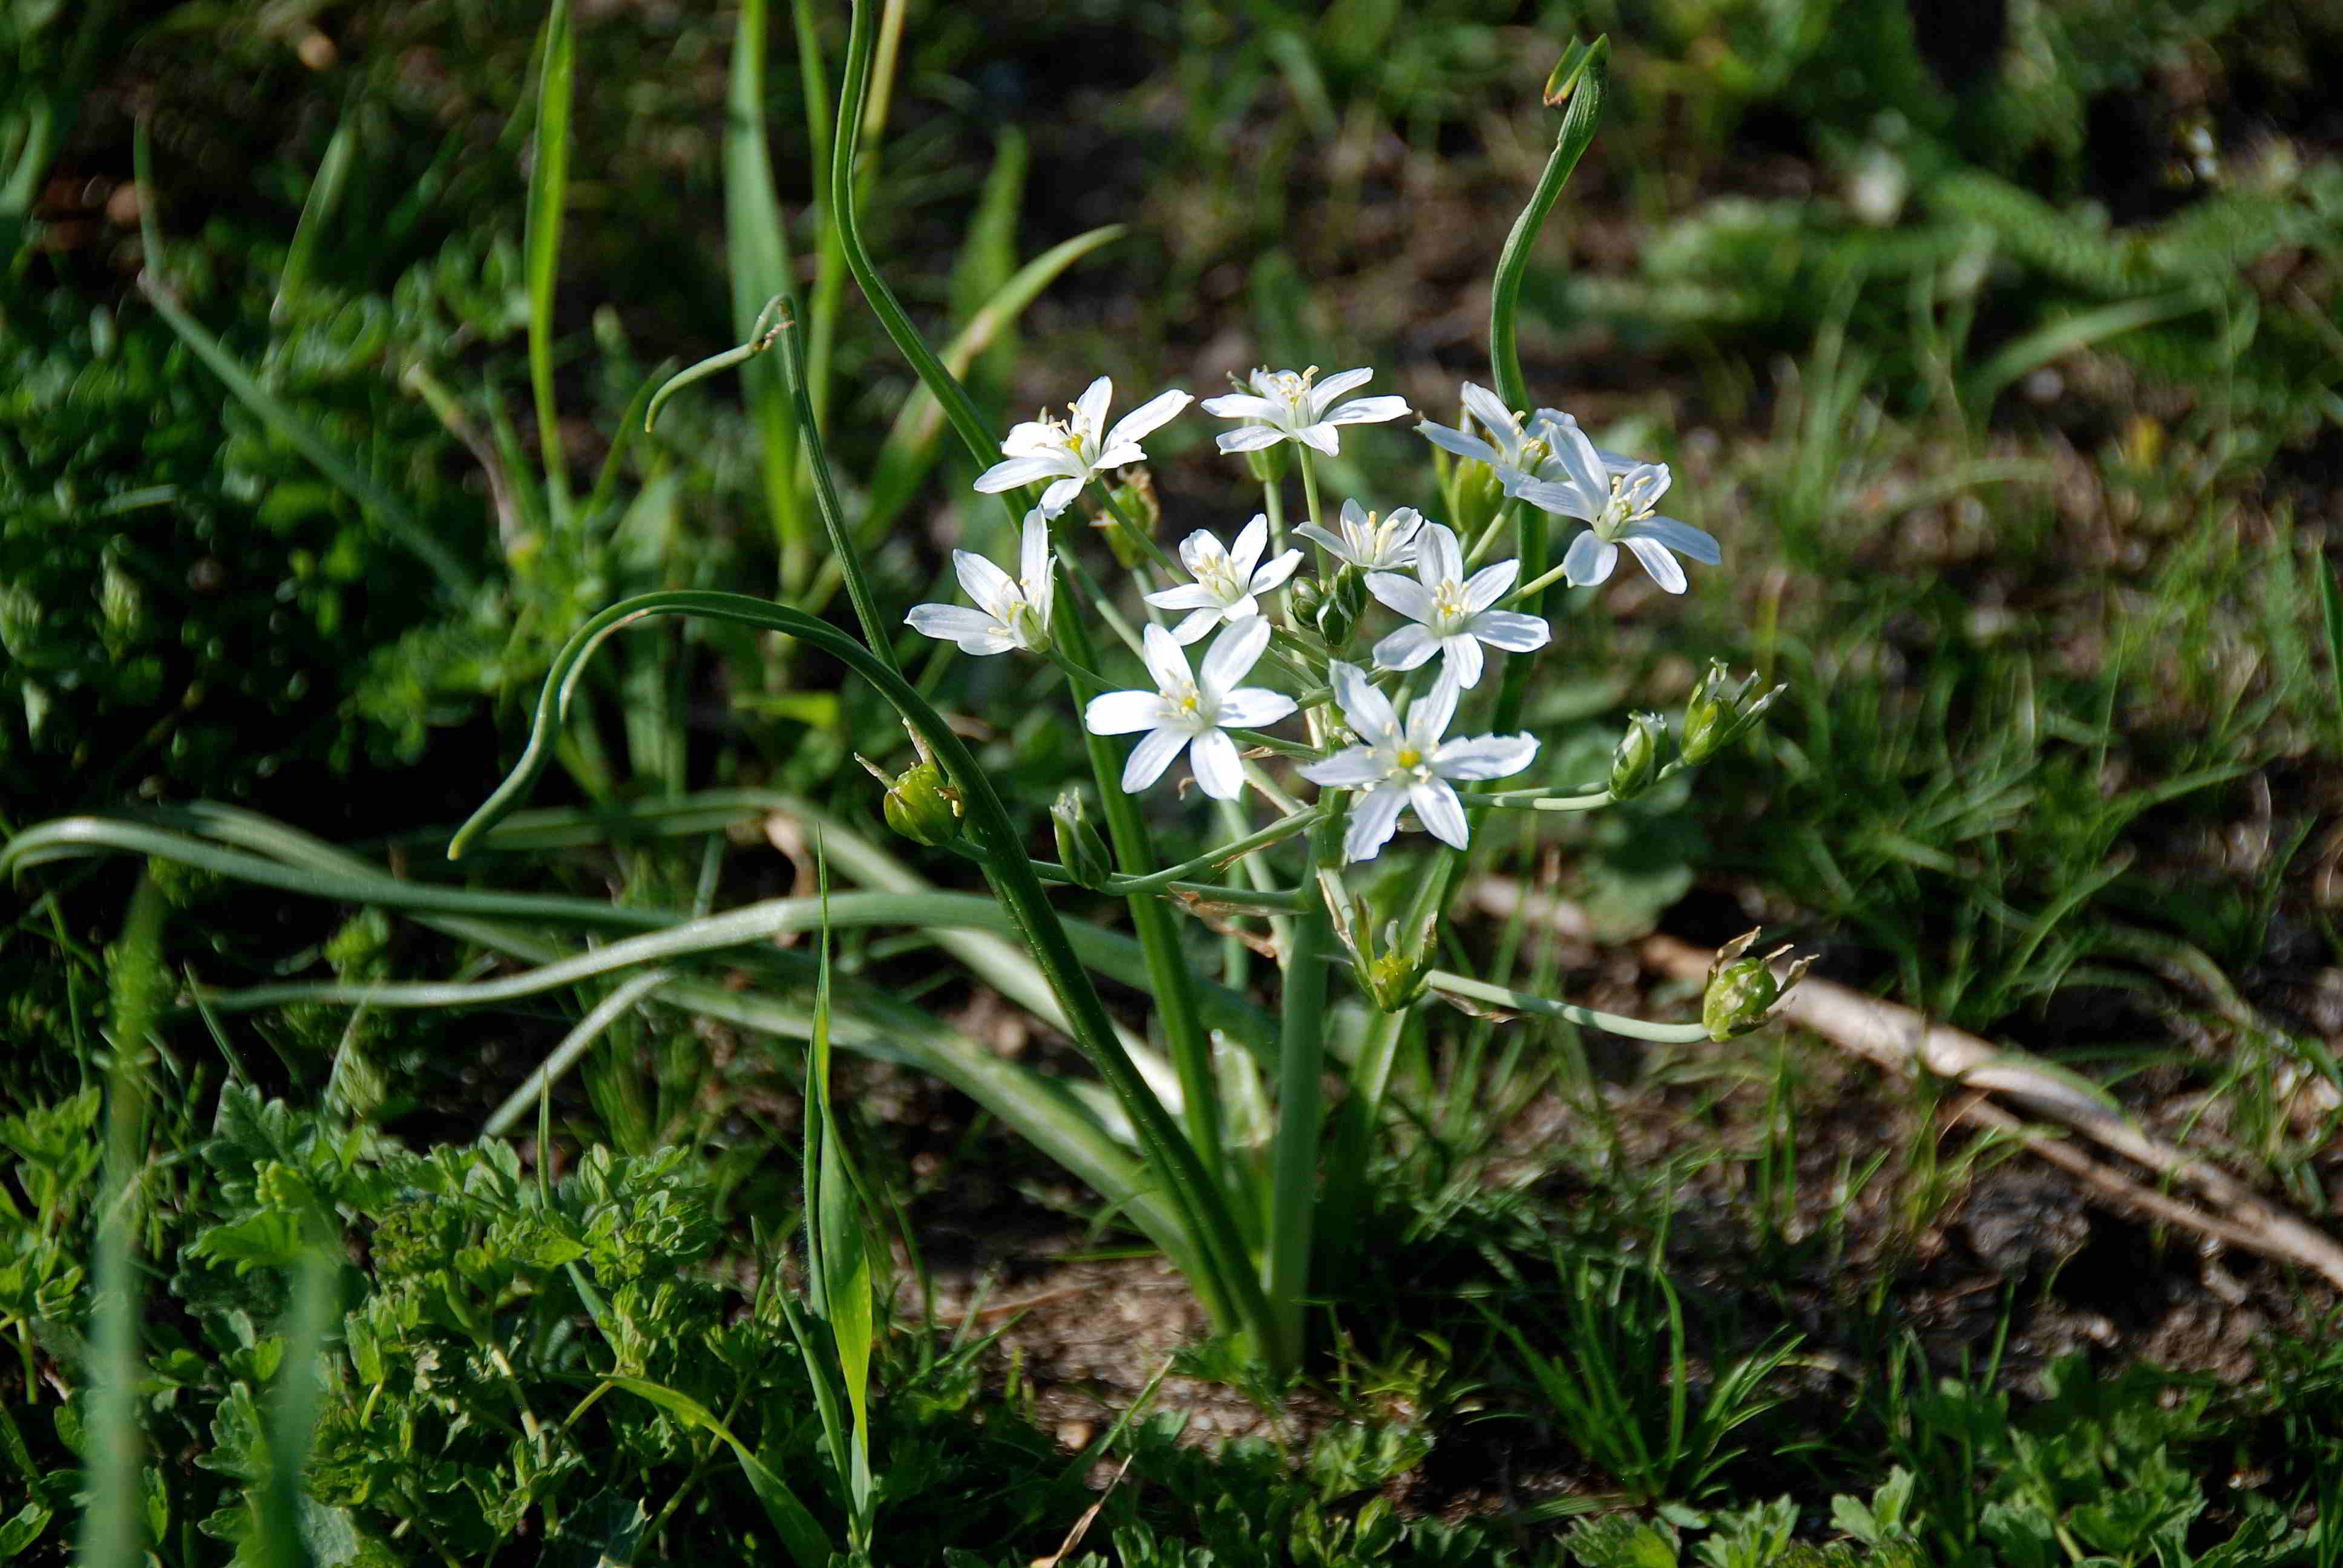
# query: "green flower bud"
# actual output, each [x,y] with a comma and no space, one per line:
[1742,990]
[1134,497]
[1637,762]
[1390,968]
[1268,463]
[921,806]
[1079,848]
[1304,598]
[1720,710]
[1344,596]
[1476,495]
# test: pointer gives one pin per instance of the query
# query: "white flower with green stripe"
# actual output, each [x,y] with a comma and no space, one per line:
[1401,764]
[1193,709]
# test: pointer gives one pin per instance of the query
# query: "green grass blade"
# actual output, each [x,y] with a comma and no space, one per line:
[757,261]
[836,1213]
[1577,86]
[574,1044]
[801,1535]
[317,211]
[293,1412]
[2330,603]
[548,189]
[111,1524]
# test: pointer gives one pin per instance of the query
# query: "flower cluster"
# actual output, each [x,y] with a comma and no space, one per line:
[1373,733]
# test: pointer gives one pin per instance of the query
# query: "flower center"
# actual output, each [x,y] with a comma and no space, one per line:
[1630,502]
[1450,610]
[1218,575]
[1409,757]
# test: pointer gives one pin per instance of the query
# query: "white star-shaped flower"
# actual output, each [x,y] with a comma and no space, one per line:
[1400,764]
[1226,580]
[1521,450]
[1451,616]
[1192,711]
[1370,543]
[1010,612]
[1284,405]
[1617,500]
[1069,452]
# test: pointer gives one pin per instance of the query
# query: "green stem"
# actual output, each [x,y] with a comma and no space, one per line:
[1577,86]
[1310,485]
[1300,1062]
[1272,506]
[1522,1002]
[825,492]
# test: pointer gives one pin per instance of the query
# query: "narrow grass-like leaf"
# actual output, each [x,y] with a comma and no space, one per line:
[317,211]
[2331,602]
[757,263]
[113,1520]
[549,189]
[293,1412]
[2071,335]
[574,1044]
[837,1228]
[801,1535]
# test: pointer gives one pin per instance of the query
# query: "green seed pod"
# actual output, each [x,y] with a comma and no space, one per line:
[1637,762]
[1720,710]
[922,807]
[1079,848]
[1742,990]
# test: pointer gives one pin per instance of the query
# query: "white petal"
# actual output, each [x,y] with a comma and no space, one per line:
[1442,814]
[1368,411]
[1366,710]
[1355,516]
[1322,396]
[1484,757]
[1200,550]
[1016,471]
[1187,596]
[1698,544]
[1163,659]
[1581,460]
[1563,500]
[1032,438]
[1270,576]
[1150,757]
[1251,540]
[973,630]
[1496,418]
[1665,569]
[1254,707]
[1511,630]
[1458,442]
[1242,405]
[1489,584]
[1060,496]
[1033,554]
[1589,560]
[1428,715]
[1233,653]
[983,581]
[1090,408]
[1213,757]
[1439,557]
[1193,627]
[1373,818]
[1121,454]
[1405,648]
[1465,660]
[1321,437]
[1124,712]
[1248,438]
[1405,595]
[1353,767]
[1339,548]
[1148,417]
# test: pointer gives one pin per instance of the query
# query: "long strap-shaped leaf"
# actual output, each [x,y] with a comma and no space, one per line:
[1232,1293]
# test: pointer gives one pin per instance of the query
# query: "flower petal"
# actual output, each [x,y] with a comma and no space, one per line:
[1367,411]
[1163,659]
[1254,707]
[1405,595]
[1124,712]
[1150,757]
[1428,715]
[1511,630]
[1366,710]
[1016,471]
[1562,499]
[1033,556]
[1665,569]
[1233,653]
[1353,767]
[1242,405]
[1339,548]
[1484,757]
[1490,584]
[983,582]
[1439,557]
[1589,560]
[1581,460]
[1192,627]
[1248,438]
[1274,574]
[1060,496]
[1442,814]
[1373,818]
[1697,544]
[973,630]
[1148,417]
[1321,437]
[1212,757]
[1322,396]
[1458,442]
[1090,408]
[1494,417]
[1187,596]
[1200,552]
[1465,660]
[1251,540]
[1405,648]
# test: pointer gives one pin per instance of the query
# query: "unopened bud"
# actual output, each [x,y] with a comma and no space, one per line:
[1742,990]
[1720,710]
[1079,848]
[1637,762]
[920,804]
[1390,968]
[1133,494]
